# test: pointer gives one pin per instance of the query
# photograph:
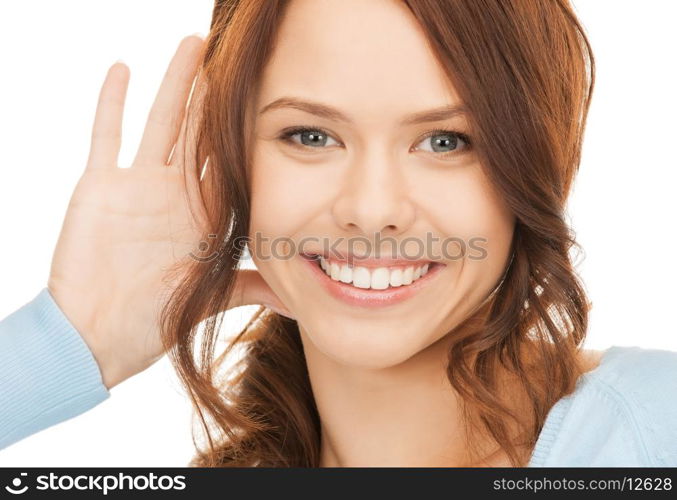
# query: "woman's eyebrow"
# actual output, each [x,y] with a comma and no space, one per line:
[331,113]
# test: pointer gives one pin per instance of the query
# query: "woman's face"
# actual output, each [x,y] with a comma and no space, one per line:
[373,176]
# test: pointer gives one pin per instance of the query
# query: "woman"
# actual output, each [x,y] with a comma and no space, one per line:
[317,130]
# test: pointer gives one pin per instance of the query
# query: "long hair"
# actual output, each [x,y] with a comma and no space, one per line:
[525,70]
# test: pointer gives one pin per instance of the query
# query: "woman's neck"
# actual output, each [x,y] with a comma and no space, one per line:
[406,415]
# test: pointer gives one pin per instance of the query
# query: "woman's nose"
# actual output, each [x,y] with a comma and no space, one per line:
[374,198]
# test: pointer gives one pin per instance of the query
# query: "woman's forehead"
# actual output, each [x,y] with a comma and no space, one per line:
[362,56]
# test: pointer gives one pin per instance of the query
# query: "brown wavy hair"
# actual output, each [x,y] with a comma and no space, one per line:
[525,70]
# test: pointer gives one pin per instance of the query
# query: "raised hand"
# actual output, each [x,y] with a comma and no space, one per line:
[125,228]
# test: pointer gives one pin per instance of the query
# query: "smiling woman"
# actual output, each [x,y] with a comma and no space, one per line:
[416,121]
[360,149]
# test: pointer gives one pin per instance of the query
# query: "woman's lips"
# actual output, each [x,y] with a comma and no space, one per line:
[367,297]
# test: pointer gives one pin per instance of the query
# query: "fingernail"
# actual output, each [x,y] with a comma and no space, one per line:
[199,35]
[119,61]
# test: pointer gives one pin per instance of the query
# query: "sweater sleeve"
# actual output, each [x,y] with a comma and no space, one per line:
[622,414]
[652,392]
[47,372]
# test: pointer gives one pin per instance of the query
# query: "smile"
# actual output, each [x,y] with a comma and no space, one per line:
[379,278]
[371,286]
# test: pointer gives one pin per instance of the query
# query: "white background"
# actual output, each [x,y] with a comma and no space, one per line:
[54,57]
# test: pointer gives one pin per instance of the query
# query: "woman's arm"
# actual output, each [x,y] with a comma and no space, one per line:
[47,371]
[96,322]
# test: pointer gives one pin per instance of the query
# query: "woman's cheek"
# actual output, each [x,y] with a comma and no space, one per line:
[476,227]
[286,192]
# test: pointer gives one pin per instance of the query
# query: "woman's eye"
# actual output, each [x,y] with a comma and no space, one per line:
[310,137]
[445,141]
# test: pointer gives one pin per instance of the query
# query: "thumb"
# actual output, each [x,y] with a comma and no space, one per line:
[251,288]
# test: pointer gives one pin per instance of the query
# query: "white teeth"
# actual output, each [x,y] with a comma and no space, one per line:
[361,277]
[346,274]
[396,277]
[377,279]
[335,271]
[380,278]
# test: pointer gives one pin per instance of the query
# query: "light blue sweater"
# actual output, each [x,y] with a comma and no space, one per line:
[621,414]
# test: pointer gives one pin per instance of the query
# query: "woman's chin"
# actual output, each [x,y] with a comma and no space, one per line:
[362,346]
